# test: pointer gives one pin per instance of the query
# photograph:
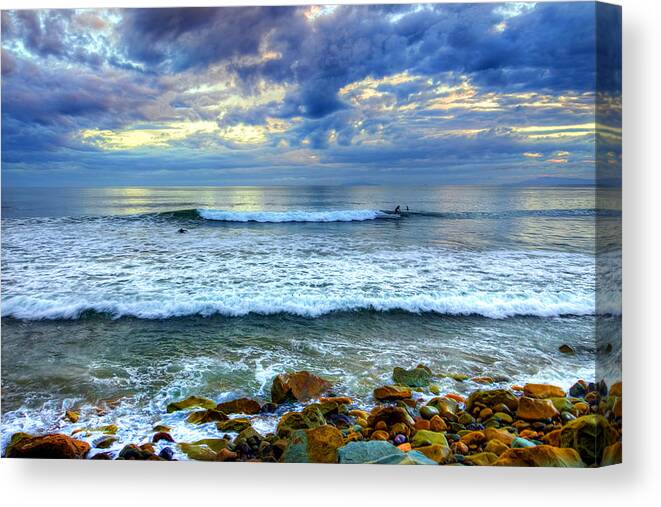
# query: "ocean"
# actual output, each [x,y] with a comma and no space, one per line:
[108,309]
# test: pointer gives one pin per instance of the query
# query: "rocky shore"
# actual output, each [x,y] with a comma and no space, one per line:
[411,423]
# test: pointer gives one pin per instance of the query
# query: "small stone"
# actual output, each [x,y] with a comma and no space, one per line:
[437,423]
[399,439]
[379,435]
[226,455]
[543,391]
[485,413]
[233,425]
[162,435]
[434,389]
[417,377]
[520,443]
[166,453]
[206,416]
[566,349]
[191,402]
[534,409]
[426,437]
[72,415]
[428,411]
[422,424]
[495,446]
[104,442]
[481,459]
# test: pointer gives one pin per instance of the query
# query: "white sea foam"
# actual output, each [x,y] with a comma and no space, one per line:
[487,305]
[293,216]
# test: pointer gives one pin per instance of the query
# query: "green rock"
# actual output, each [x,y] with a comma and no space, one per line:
[564,405]
[215,444]
[406,458]
[316,445]
[459,377]
[104,442]
[198,452]
[161,428]
[246,435]
[366,452]
[427,437]
[109,429]
[434,389]
[310,417]
[492,397]
[589,436]
[191,402]
[428,411]
[465,419]
[233,425]
[503,417]
[206,416]
[417,377]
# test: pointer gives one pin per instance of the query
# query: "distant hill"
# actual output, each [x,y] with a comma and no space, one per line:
[568,182]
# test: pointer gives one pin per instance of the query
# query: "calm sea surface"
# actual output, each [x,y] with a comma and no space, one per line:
[105,304]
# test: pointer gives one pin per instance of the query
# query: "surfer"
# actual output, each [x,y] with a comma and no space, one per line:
[182,231]
[397,209]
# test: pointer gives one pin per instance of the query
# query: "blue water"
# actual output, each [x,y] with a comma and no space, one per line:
[106,305]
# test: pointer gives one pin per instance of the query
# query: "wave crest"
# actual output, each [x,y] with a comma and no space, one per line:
[491,306]
[293,216]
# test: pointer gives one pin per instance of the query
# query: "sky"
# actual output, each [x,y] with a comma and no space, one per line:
[383,94]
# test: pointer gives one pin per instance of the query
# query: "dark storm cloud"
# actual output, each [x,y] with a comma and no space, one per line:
[65,71]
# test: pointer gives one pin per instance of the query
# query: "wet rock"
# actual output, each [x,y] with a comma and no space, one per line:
[540,456]
[239,406]
[297,386]
[104,442]
[215,444]
[417,377]
[249,436]
[483,380]
[579,389]
[162,435]
[406,458]
[226,455]
[392,393]
[340,400]
[134,453]
[496,447]
[366,452]
[612,455]
[566,349]
[490,398]
[437,423]
[72,416]
[439,453]
[198,452]
[481,459]
[316,445]
[161,428]
[423,438]
[191,402]
[521,443]
[102,456]
[233,425]
[589,435]
[310,417]
[389,416]
[552,438]
[379,435]
[268,408]
[399,439]
[167,454]
[206,416]
[543,391]
[616,390]
[53,446]
[532,409]
[429,411]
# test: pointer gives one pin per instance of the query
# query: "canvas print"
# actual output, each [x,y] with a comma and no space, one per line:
[349,234]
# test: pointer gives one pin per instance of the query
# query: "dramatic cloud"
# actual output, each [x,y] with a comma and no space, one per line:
[465,93]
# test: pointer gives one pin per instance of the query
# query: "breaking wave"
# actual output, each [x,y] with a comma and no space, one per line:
[496,306]
[294,216]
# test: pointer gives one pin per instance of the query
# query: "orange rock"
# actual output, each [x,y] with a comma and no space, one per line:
[437,423]
[528,434]
[381,425]
[582,407]
[406,447]
[517,388]
[459,448]
[483,380]
[617,407]
[53,446]
[423,424]
[340,400]
[532,409]
[474,438]
[543,391]
[616,389]
[540,456]
[552,438]
[300,385]
[392,393]
[239,406]
[455,397]
[497,434]
[226,455]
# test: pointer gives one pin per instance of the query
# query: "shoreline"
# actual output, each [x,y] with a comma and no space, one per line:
[529,425]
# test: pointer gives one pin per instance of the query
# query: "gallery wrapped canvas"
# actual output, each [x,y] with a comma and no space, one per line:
[352,234]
